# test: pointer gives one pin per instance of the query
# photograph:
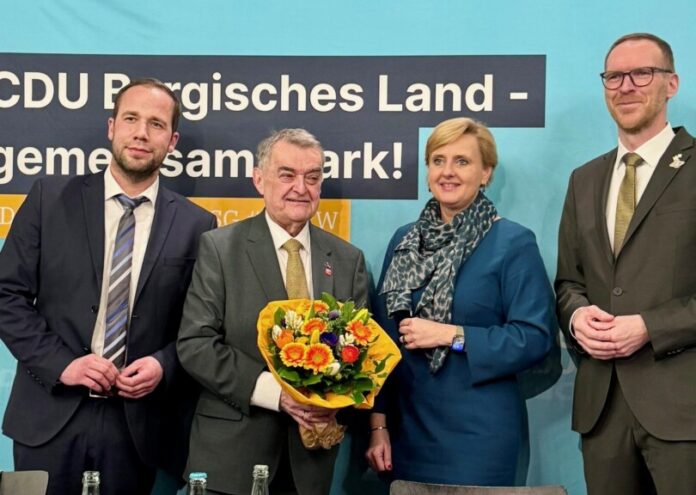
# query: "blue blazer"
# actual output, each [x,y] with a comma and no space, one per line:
[464,425]
[51,270]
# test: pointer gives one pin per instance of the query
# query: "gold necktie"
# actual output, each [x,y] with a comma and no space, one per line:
[295,279]
[626,202]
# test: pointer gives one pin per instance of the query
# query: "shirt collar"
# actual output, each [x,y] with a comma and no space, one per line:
[112,189]
[280,235]
[650,151]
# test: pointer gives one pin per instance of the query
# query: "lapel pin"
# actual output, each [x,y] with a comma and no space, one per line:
[677,161]
[328,271]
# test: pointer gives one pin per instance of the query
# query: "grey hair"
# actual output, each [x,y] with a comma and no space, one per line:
[298,137]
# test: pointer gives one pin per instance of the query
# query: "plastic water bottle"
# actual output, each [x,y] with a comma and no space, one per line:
[90,483]
[197,483]
[260,486]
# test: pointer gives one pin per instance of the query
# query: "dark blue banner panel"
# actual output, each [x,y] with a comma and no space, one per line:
[365,110]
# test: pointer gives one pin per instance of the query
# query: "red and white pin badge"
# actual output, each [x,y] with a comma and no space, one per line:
[328,271]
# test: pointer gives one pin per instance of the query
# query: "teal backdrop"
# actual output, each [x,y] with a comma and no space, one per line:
[535,163]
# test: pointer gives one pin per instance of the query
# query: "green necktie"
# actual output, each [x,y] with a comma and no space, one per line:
[626,202]
[295,279]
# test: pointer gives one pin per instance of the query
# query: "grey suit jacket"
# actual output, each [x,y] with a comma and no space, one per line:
[235,276]
[653,275]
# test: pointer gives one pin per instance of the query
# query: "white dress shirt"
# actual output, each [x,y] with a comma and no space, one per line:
[113,210]
[266,393]
[651,151]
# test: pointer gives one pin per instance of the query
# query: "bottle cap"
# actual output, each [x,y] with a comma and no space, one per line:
[260,470]
[90,477]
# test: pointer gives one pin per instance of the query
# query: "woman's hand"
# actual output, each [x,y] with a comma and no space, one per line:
[417,333]
[378,454]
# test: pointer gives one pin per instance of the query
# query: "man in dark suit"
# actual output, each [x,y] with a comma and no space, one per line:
[626,285]
[242,417]
[93,275]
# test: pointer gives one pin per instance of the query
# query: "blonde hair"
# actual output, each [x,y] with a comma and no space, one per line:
[448,131]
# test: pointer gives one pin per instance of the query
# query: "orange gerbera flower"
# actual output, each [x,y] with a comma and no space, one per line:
[293,354]
[321,307]
[313,324]
[360,331]
[318,357]
[284,338]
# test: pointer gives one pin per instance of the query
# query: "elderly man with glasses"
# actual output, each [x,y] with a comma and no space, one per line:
[626,285]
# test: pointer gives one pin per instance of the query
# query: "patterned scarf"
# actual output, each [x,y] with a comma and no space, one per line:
[430,255]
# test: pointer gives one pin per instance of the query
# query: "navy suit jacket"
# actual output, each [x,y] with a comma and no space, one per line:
[51,269]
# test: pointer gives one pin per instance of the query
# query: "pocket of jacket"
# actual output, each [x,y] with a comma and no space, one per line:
[214,408]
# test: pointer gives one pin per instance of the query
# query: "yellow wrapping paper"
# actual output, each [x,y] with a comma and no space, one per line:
[325,436]
[381,348]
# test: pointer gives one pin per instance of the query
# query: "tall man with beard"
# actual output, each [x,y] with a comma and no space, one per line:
[626,285]
[93,276]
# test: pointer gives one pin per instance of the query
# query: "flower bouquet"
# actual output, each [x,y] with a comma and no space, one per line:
[327,354]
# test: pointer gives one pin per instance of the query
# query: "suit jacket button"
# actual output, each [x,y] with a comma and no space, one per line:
[617,291]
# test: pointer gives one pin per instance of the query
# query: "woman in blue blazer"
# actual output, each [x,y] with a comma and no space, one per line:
[466,295]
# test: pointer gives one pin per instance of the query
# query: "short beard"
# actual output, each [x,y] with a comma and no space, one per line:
[636,128]
[644,122]
[137,175]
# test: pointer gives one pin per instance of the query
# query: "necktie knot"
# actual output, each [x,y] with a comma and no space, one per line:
[632,160]
[130,204]
[292,246]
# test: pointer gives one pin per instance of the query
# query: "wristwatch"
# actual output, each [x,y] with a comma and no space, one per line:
[458,340]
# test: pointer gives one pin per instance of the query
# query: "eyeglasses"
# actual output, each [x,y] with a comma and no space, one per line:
[641,76]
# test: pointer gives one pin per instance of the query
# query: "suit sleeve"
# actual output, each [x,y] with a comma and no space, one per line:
[386,397]
[23,329]
[167,356]
[223,369]
[528,332]
[671,326]
[571,292]
[360,283]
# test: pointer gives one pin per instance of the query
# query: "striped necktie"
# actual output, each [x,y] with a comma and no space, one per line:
[295,277]
[626,201]
[117,310]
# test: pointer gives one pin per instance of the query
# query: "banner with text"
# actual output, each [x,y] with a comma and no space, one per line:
[365,110]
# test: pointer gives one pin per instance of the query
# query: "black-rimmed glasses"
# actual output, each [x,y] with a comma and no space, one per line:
[640,76]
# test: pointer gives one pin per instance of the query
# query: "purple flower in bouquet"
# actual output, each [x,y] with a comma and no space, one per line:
[328,338]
